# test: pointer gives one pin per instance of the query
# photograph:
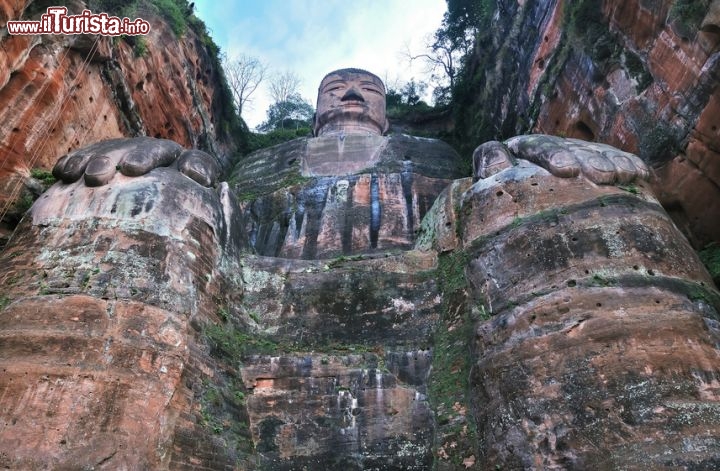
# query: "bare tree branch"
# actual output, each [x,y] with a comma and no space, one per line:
[283,85]
[445,50]
[244,75]
[441,55]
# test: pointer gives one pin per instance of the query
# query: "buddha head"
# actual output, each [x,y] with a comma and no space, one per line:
[351,101]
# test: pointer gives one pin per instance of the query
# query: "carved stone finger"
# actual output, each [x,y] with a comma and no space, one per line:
[534,147]
[200,166]
[147,153]
[561,163]
[595,166]
[490,158]
[625,170]
[59,167]
[100,170]
[641,168]
[71,167]
[549,152]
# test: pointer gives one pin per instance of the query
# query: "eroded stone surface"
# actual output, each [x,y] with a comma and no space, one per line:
[106,287]
[82,376]
[541,321]
[347,386]
[351,101]
[60,93]
[639,75]
[98,163]
[335,195]
[340,412]
[584,293]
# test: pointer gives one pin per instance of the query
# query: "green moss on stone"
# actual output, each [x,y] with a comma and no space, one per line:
[448,385]
[231,343]
[687,15]
[451,271]
[222,412]
[710,256]
[629,188]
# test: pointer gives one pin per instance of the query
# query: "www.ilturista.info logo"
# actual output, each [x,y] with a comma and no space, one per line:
[57,21]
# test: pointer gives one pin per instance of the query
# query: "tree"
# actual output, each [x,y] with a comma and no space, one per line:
[405,95]
[294,111]
[284,85]
[449,47]
[244,75]
[413,91]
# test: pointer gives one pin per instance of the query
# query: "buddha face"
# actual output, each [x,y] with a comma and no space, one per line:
[351,101]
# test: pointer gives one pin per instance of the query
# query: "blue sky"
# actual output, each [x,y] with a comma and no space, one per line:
[314,37]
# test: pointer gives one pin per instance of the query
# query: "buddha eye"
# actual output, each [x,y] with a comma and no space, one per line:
[334,86]
[372,90]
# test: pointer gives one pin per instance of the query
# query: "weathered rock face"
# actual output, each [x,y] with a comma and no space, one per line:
[588,291]
[60,93]
[639,75]
[538,322]
[102,291]
[341,195]
[343,383]
[347,384]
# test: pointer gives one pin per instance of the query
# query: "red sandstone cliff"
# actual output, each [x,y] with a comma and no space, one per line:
[60,93]
[639,75]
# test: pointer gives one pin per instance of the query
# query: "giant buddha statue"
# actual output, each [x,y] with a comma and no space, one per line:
[355,300]
[351,101]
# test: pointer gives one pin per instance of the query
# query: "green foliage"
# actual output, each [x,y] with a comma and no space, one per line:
[294,112]
[449,382]
[222,413]
[466,15]
[588,29]
[710,257]
[600,281]
[659,140]
[629,188]
[589,32]
[343,259]
[451,271]
[24,203]
[408,95]
[636,69]
[233,343]
[687,15]
[406,103]
[277,136]
[119,8]
[254,316]
[44,176]
[199,27]
[140,46]
[222,313]
[175,12]
[4,301]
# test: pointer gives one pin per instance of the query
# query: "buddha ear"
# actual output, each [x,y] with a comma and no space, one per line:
[386,127]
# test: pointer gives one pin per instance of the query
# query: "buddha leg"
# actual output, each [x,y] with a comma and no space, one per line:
[600,348]
[104,290]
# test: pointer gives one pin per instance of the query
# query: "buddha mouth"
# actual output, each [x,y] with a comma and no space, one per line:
[353,103]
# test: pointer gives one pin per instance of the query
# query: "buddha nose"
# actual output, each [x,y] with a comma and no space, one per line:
[352,94]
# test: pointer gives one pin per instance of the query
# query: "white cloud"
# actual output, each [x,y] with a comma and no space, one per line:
[313,38]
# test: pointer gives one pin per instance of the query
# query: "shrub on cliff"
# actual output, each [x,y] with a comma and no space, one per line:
[687,15]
